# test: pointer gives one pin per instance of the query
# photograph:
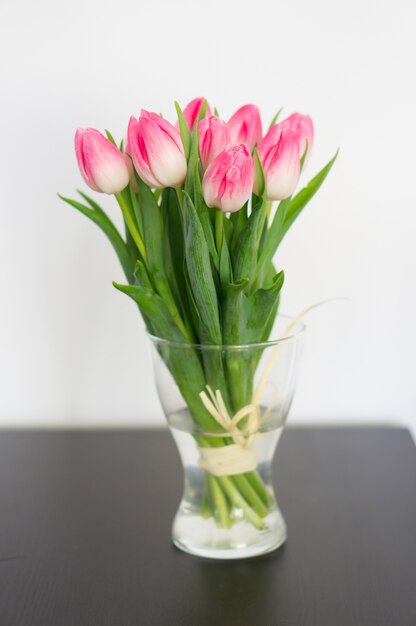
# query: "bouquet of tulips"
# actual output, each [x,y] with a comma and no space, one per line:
[205,204]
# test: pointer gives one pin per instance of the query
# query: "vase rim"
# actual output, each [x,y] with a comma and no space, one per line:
[294,335]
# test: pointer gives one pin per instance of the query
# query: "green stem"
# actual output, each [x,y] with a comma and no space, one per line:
[238,500]
[257,484]
[131,225]
[136,211]
[206,508]
[250,494]
[219,501]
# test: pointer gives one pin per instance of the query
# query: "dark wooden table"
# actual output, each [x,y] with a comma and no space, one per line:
[85,525]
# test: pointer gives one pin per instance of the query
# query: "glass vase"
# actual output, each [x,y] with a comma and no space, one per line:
[226,407]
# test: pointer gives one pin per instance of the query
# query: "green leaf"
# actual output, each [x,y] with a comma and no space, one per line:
[245,258]
[275,118]
[238,363]
[226,270]
[303,157]
[212,358]
[269,246]
[153,307]
[110,137]
[200,273]
[203,214]
[176,255]
[261,183]
[184,130]
[202,112]
[260,306]
[125,203]
[286,214]
[182,360]
[233,313]
[200,331]
[93,204]
[303,197]
[141,276]
[246,317]
[130,243]
[238,221]
[153,233]
[249,320]
[269,273]
[192,171]
[173,253]
[100,218]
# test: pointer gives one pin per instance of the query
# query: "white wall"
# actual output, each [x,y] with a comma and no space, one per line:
[72,349]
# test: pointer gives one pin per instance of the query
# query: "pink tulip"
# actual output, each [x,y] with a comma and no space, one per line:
[302,125]
[213,138]
[193,109]
[102,165]
[156,149]
[279,155]
[245,126]
[228,181]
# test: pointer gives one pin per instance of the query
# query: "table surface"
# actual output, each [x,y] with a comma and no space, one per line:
[85,534]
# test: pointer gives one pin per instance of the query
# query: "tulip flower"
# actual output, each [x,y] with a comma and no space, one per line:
[213,138]
[228,180]
[303,126]
[245,126]
[156,149]
[102,165]
[193,109]
[280,158]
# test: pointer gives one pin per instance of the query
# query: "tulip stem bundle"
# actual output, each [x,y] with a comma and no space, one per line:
[201,230]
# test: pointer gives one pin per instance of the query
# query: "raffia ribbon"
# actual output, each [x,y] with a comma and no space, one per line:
[235,458]
[228,460]
[240,456]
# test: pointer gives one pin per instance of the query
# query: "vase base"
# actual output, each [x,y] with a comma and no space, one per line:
[202,537]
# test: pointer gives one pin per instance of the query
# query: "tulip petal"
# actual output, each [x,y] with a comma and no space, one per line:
[279,155]
[284,175]
[157,152]
[82,161]
[101,163]
[136,148]
[193,109]
[245,126]
[228,180]
[214,136]
[302,125]
[167,163]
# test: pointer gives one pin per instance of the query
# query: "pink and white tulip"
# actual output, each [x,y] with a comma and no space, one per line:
[245,126]
[302,125]
[193,109]
[214,136]
[280,158]
[228,180]
[102,165]
[156,149]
